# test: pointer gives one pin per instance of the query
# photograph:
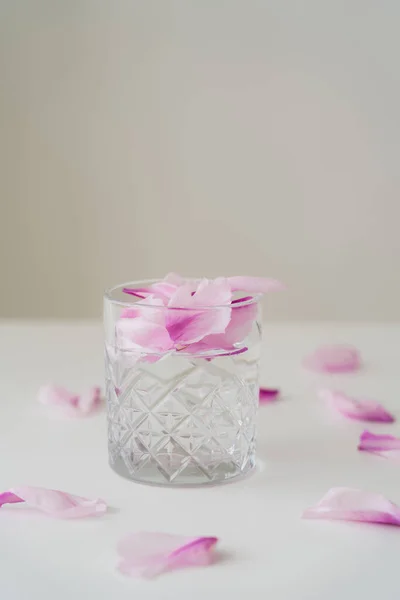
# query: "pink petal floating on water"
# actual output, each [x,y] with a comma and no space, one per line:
[239,326]
[254,285]
[241,323]
[333,359]
[148,554]
[150,309]
[136,292]
[174,279]
[346,504]
[162,289]
[268,395]
[70,404]
[130,313]
[359,409]
[140,334]
[387,446]
[54,503]
[190,326]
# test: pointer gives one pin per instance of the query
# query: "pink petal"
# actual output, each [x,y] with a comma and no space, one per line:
[190,326]
[334,359]
[241,323]
[268,395]
[214,292]
[239,326]
[143,293]
[187,327]
[130,313]
[164,289]
[254,285]
[150,309]
[54,395]
[174,279]
[71,405]
[161,289]
[361,410]
[387,446]
[140,334]
[147,554]
[89,401]
[54,503]
[346,504]
[182,297]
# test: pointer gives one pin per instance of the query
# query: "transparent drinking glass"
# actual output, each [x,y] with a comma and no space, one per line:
[185,416]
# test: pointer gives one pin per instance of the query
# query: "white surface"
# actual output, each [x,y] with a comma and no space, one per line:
[206,137]
[269,552]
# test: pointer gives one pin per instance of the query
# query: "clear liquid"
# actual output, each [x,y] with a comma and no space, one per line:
[182,420]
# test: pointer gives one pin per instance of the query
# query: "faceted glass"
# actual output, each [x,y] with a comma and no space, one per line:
[177,418]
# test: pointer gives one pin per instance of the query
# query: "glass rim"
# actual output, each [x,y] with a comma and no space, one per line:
[108,295]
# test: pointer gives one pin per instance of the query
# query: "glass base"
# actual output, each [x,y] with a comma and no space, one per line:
[182,421]
[192,476]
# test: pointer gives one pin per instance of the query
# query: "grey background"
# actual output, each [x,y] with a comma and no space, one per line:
[206,137]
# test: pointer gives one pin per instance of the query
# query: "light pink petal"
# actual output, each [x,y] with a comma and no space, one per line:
[254,285]
[333,359]
[161,289]
[137,292]
[359,409]
[241,323]
[150,309]
[54,503]
[148,554]
[182,297]
[55,395]
[164,289]
[89,401]
[130,313]
[268,395]
[239,326]
[387,446]
[190,326]
[143,335]
[69,404]
[187,327]
[347,504]
[174,279]
[215,292]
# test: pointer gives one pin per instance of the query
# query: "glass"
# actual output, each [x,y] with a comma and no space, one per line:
[179,418]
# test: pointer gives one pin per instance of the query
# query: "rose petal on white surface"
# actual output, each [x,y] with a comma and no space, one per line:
[147,554]
[254,285]
[359,409]
[68,403]
[89,401]
[60,505]
[55,395]
[336,358]
[268,395]
[346,504]
[387,446]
